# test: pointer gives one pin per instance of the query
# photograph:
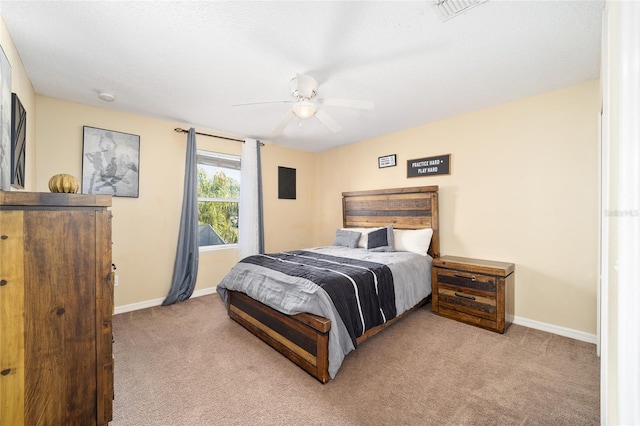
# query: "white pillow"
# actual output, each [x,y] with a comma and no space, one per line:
[413,240]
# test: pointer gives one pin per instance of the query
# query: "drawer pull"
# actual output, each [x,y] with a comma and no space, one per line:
[472,277]
[464,296]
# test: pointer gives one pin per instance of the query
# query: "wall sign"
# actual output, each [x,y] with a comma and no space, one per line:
[387,161]
[429,166]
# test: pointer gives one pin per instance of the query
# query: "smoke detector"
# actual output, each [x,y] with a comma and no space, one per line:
[107,97]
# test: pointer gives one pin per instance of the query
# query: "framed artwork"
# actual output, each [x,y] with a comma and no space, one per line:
[5,122]
[18,141]
[387,161]
[286,183]
[110,162]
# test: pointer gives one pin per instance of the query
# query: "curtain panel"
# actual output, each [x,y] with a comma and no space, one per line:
[185,269]
[251,222]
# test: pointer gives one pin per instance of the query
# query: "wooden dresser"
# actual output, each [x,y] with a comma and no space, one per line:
[56,303]
[474,291]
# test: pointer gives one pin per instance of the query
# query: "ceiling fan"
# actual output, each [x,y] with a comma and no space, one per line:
[305,104]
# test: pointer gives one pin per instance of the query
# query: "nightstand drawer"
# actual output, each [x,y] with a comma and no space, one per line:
[466,280]
[484,307]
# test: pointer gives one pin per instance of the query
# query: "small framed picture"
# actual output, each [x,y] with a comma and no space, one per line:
[110,162]
[387,161]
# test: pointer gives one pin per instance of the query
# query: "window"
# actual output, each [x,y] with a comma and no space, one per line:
[218,198]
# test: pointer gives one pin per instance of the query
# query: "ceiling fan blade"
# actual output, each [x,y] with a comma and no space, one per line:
[283,123]
[346,103]
[329,122]
[261,103]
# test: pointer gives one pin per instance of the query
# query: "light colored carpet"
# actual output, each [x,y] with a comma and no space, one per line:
[189,364]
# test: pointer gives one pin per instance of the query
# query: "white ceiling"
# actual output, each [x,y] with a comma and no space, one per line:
[190,62]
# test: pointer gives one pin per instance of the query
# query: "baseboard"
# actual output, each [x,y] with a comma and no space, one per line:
[555,329]
[157,302]
[543,326]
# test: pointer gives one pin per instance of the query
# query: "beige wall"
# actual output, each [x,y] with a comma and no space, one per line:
[145,229]
[523,188]
[21,85]
[288,223]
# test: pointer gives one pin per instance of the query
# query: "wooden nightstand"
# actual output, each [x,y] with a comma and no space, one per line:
[474,291]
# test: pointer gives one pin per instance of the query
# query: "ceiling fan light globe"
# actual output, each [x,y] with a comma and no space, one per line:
[304,109]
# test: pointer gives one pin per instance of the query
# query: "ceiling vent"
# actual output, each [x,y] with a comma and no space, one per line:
[448,9]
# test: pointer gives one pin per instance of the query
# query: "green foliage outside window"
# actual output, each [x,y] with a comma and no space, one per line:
[213,209]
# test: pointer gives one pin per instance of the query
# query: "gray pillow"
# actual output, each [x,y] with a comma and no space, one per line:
[346,238]
[381,239]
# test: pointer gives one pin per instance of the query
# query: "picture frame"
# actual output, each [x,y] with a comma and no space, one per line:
[110,162]
[387,161]
[286,183]
[18,142]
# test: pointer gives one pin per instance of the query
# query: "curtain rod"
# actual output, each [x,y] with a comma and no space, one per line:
[179,130]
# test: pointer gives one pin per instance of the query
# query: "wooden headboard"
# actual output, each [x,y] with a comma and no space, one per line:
[404,208]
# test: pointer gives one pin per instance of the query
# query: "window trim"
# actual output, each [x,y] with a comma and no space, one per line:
[219,247]
[220,200]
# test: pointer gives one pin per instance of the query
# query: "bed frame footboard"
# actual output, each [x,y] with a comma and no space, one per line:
[303,338]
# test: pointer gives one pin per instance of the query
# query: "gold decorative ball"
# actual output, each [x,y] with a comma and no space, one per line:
[64,183]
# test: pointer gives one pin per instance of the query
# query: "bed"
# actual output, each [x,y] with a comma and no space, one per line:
[305,326]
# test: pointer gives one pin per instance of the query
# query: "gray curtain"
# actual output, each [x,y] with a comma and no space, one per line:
[185,268]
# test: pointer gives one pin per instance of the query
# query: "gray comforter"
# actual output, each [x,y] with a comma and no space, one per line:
[293,295]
